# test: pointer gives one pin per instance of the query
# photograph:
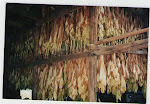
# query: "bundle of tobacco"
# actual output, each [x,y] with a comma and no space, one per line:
[42,73]
[82,78]
[14,78]
[114,22]
[124,72]
[138,73]
[64,34]
[71,69]
[26,80]
[115,81]
[22,50]
[101,74]
[76,78]
[50,81]
[59,82]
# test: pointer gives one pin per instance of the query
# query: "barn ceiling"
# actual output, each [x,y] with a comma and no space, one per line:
[22,17]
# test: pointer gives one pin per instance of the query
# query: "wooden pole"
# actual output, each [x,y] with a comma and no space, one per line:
[122,36]
[92,60]
[36,40]
[138,52]
[100,50]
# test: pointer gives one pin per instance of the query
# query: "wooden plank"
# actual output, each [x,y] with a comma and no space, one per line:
[69,57]
[120,48]
[143,46]
[51,60]
[138,52]
[92,60]
[122,36]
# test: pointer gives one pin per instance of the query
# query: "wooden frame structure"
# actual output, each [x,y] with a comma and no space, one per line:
[94,50]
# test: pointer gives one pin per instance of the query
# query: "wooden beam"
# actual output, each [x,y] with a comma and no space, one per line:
[143,46]
[51,60]
[69,57]
[138,52]
[122,36]
[99,50]
[92,60]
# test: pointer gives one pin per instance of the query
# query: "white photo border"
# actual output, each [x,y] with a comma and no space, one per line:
[114,3]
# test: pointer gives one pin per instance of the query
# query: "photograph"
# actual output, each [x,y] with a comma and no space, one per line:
[75,53]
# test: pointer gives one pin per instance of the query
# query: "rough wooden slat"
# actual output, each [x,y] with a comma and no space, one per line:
[119,48]
[51,60]
[143,46]
[122,36]
[69,57]
[92,60]
[138,52]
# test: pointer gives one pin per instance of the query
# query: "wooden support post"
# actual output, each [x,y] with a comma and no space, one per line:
[92,60]
[36,39]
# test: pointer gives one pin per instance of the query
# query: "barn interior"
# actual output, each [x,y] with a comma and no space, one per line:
[76,53]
